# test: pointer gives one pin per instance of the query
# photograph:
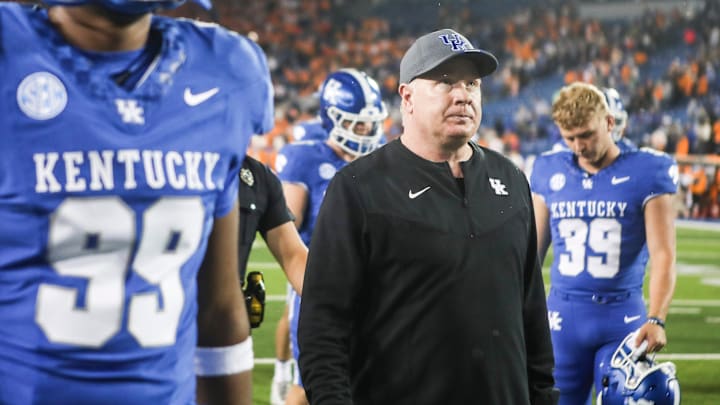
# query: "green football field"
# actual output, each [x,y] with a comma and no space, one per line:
[693,325]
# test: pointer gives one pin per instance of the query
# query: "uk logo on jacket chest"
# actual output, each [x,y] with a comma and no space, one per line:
[498,186]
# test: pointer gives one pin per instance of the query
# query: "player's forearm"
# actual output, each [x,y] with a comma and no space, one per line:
[660,231]
[292,259]
[662,284]
[295,271]
[224,329]
[234,389]
[229,333]
[290,252]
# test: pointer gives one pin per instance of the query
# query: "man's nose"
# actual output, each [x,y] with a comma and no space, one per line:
[578,146]
[462,92]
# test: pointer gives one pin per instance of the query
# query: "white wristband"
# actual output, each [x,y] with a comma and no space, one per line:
[216,361]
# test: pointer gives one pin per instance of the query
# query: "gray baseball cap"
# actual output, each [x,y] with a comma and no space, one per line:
[430,50]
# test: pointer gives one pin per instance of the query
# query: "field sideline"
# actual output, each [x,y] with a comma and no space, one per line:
[693,324]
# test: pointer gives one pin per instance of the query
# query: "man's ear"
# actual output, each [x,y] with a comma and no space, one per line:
[405,90]
[610,122]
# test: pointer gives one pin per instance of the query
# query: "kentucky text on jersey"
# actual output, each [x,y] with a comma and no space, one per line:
[95,170]
[588,208]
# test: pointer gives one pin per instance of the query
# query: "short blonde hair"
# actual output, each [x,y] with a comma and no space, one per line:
[577,104]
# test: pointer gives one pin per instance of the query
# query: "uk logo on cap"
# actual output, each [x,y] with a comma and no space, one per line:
[457,42]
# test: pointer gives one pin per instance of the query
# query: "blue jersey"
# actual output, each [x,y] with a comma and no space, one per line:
[107,198]
[597,222]
[311,164]
[310,130]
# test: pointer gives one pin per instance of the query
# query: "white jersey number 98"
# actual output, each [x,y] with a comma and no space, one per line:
[93,238]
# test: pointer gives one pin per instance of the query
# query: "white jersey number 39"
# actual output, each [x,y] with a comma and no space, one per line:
[602,235]
[93,239]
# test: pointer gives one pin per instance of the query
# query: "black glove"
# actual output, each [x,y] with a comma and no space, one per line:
[255,298]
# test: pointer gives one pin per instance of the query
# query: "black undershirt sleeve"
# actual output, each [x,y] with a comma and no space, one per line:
[276,212]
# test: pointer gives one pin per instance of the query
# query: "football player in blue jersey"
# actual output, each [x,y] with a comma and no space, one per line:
[617,110]
[304,131]
[352,113]
[605,220]
[310,130]
[120,221]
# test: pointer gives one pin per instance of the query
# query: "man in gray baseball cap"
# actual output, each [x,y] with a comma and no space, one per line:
[426,288]
[430,50]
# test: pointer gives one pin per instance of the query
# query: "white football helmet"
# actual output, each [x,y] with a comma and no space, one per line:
[349,97]
[617,110]
[630,377]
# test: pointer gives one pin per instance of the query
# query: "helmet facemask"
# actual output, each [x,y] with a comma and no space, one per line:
[350,102]
[345,130]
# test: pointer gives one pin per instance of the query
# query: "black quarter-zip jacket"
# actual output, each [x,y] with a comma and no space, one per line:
[420,292]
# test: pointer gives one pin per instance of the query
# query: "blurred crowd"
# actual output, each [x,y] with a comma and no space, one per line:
[663,63]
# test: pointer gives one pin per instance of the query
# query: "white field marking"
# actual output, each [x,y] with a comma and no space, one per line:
[712,319]
[685,310]
[259,243]
[275,298]
[715,282]
[687,356]
[704,225]
[698,270]
[709,256]
[696,303]
[263,266]
[710,274]
[699,241]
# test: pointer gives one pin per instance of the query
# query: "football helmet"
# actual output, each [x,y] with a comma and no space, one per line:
[350,100]
[630,377]
[617,110]
[131,7]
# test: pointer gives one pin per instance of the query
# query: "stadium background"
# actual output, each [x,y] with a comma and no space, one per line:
[662,56]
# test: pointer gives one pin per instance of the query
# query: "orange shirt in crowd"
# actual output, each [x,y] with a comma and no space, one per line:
[700,182]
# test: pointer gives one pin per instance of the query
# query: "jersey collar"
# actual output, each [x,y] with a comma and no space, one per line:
[154,77]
